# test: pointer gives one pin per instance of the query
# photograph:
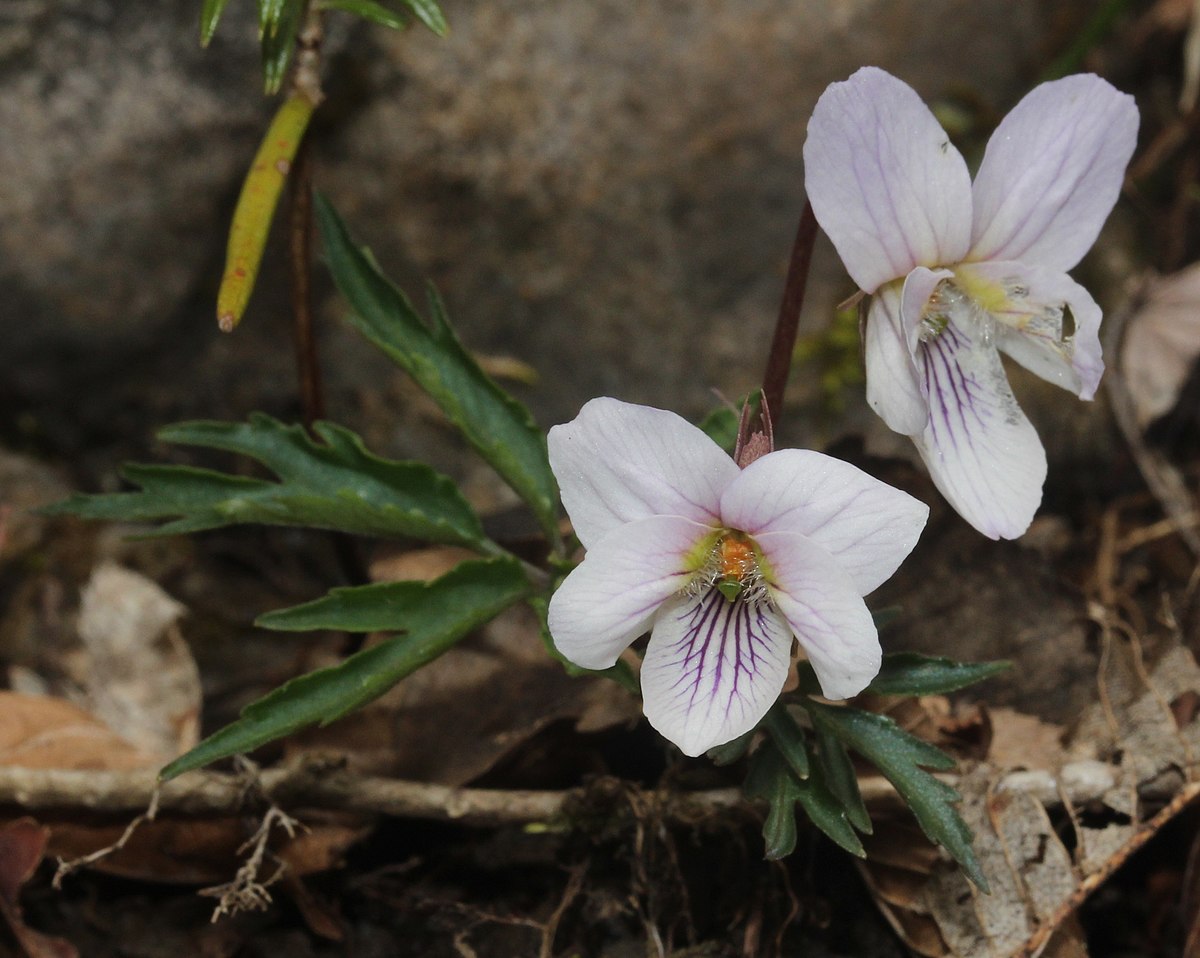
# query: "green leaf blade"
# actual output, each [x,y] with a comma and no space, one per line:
[435,615]
[336,484]
[788,739]
[771,778]
[899,756]
[368,10]
[841,779]
[210,16]
[494,423]
[279,24]
[908,673]
[430,14]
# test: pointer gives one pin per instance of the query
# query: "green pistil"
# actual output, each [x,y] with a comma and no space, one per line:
[730,588]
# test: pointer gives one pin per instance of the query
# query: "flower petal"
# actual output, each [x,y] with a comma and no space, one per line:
[884,180]
[893,386]
[981,451]
[866,525]
[1052,172]
[825,611]
[1030,326]
[617,462]
[713,668]
[611,597]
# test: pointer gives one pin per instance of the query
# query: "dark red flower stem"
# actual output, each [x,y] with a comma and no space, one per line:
[779,359]
[312,399]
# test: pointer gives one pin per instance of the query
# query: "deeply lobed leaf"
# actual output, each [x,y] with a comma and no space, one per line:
[900,757]
[909,673]
[434,615]
[772,778]
[499,427]
[338,485]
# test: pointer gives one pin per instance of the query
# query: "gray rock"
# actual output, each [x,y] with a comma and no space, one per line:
[608,191]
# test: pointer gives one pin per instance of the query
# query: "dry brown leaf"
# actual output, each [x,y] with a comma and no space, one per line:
[22,846]
[1161,344]
[480,702]
[1036,883]
[139,675]
[25,485]
[199,851]
[422,564]
[42,732]
[1025,741]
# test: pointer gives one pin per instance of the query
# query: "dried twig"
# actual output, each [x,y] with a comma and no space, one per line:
[1090,883]
[313,783]
[65,868]
[247,891]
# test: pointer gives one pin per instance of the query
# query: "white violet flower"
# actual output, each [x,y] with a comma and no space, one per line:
[960,270]
[723,565]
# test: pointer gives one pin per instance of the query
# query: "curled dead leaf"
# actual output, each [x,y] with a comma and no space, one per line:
[1161,344]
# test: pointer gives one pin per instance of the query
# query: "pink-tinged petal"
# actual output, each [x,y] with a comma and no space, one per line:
[866,525]
[1052,172]
[712,669]
[981,451]
[884,180]
[616,462]
[1030,325]
[893,386]
[824,609]
[611,597]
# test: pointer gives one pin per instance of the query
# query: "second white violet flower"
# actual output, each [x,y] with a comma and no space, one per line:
[726,567]
[959,270]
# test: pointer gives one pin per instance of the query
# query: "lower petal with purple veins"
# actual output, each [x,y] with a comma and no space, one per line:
[981,451]
[824,610]
[713,668]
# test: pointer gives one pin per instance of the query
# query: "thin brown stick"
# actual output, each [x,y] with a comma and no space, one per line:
[66,867]
[783,344]
[1097,878]
[313,783]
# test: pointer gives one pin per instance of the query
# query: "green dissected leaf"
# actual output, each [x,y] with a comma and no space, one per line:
[339,485]
[732,750]
[499,427]
[210,16]
[434,616]
[841,778]
[899,756]
[788,738]
[771,778]
[430,14]
[907,673]
[827,813]
[278,39]
[620,673]
[368,10]
[885,616]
